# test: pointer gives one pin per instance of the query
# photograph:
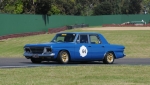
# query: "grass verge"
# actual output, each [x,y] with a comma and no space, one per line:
[77,75]
[136,42]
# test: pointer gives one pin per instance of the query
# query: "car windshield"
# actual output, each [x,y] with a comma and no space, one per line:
[64,37]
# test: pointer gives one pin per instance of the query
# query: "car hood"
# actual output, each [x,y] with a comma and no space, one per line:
[49,44]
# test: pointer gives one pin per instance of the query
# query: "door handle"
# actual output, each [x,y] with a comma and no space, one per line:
[103,46]
[89,46]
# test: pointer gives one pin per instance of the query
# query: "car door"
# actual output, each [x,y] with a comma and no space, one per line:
[98,50]
[82,48]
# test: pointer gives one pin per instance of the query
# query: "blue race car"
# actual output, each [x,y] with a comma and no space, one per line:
[74,46]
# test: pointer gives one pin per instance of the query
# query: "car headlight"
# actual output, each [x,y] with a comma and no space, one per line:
[47,50]
[27,49]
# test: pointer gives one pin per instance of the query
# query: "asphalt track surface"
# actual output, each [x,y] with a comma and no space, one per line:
[23,62]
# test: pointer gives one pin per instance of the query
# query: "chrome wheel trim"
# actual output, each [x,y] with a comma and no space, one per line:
[65,56]
[110,57]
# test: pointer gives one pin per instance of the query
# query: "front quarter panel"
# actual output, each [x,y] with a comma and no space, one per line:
[63,46]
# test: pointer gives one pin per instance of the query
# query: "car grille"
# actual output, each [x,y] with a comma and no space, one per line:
[37,50]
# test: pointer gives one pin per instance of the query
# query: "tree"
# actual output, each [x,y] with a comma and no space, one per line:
[116,6]
[105,8]
[12,6]
[43,7]
[83,7]
[66,6]
[54,10]
[146,6]
[125,7]
[28,7]
[74,7]
[135,6]
[36,6]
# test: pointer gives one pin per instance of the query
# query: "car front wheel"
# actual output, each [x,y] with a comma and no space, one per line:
[63,57]
[109,58]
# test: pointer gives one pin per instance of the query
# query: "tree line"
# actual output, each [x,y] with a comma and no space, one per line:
[74,7]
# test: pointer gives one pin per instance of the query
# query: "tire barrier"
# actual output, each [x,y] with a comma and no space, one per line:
[55,30]
[126,25]
[77,26]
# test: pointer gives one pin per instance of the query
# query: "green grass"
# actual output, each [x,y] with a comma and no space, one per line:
[137,46]
[77,75]
[137,43]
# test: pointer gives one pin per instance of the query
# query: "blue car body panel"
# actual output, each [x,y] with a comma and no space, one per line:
[94,51]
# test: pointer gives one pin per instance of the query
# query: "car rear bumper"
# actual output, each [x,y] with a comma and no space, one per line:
[124,55]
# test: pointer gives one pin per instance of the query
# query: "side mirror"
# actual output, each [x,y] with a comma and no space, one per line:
[99,42]
[54,40]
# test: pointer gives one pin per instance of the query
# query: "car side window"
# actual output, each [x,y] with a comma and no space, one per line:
[60,39]
[94,39]
[82,39]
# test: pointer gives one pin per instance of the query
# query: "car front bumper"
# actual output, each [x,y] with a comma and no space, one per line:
[31,55]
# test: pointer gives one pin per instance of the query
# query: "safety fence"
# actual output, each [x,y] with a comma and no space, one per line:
[18,24]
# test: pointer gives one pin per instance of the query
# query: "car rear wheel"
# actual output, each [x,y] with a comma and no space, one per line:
[109,58]
[63,57]
[33,60]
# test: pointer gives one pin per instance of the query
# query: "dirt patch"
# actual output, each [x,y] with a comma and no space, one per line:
[117,28]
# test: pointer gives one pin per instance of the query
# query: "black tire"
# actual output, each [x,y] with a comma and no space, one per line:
[84,62]
[63,57]
[109,58]
[33,60]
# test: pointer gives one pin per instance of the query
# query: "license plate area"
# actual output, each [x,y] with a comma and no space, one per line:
[35,56]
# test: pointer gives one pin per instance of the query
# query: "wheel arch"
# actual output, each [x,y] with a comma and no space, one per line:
[66,51]
[110,52]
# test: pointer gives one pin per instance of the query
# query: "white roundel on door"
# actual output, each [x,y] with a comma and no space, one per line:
[83,51]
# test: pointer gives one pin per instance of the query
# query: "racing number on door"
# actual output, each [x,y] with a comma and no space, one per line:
[83,51]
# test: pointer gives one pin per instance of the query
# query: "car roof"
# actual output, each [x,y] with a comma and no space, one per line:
[101,36]
[80,32]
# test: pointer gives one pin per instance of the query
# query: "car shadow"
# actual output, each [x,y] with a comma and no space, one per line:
[70,63]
